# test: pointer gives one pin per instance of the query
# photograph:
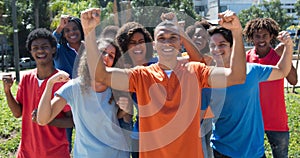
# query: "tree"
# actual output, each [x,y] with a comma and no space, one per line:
[297,8]
[271,9]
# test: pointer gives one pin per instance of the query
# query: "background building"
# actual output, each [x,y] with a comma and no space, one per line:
[208,8]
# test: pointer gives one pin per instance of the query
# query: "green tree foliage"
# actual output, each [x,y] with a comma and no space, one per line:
[66,7]
[297,8]
[271,9]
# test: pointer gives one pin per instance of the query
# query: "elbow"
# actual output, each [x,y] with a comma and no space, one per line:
[18,115]
[41,122]
[241,80]
[293,82]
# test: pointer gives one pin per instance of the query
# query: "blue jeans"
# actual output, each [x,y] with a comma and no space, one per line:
[279,142]
[69,137]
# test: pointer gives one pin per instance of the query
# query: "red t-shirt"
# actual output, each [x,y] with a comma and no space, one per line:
[39,141]
[271,95]
[169,109]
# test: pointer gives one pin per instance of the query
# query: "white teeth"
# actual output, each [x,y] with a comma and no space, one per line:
[198,42]
[262,44]
[40,55]
[138,52]
[167,50]
[73,37]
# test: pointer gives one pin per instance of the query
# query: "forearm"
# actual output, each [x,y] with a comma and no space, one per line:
[192,50]
[284,64]
[44,108]
[238,58]
[13,105]
[292,77]
[65,122]
[95,64]
[59,29]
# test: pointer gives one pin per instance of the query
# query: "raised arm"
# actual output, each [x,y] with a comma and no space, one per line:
[236,73]
[191,48]
[14,106]
[48,109]
[64,20]
[283,67]
[114,77]
[292,77]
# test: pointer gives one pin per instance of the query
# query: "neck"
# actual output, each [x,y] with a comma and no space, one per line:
[76,46]
[167,64]
[262,53]
[140,62]
[44,72]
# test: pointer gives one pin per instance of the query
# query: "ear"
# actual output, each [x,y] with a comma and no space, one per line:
[153,45]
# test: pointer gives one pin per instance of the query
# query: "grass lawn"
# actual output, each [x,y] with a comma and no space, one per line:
[10,127]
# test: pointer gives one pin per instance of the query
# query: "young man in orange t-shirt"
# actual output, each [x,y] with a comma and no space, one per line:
[168,92]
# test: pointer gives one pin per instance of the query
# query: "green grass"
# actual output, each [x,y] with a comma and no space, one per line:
[10,127]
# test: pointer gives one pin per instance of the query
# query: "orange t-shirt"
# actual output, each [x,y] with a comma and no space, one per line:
[169,109]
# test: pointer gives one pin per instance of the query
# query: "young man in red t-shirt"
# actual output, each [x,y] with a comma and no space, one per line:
[261,31]
[39,141]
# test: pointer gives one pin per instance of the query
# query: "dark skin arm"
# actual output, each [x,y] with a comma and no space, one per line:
[14,106]
[292,77]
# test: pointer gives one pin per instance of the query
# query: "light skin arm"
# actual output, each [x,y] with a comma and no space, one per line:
[116,78]
[48,109]
[192,50]
[236,73]
[284,66]
[14,106]
[292,77]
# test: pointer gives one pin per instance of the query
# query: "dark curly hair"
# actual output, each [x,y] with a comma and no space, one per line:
[40,33]
[261,23]
[124,35]
[77,21]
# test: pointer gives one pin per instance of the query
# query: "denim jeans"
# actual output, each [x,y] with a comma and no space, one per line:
[69,137]
[219,155]
[279,142]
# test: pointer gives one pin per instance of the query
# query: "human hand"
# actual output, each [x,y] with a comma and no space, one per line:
[34,115]
[169,17]
[61,76]
[285,38]
[64,20]
[90,18]
[125,104]
[230,20]
[8,81]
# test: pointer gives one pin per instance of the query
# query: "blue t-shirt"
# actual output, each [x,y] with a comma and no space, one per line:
[238,129]
[65,57]
[97,129]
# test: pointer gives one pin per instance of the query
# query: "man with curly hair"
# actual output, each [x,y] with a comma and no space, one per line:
[263,32]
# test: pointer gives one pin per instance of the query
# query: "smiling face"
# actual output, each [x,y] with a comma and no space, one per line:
[200,38]
[220,49]
[137,49]
[167,42]
[261,41]
[72,33]
[108,55]
[42,52]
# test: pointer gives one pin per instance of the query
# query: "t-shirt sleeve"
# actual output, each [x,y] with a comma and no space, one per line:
[66,91]
[203,73]
[132,73]
[262,71]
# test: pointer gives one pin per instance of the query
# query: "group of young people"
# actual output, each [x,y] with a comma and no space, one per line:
[172,95]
